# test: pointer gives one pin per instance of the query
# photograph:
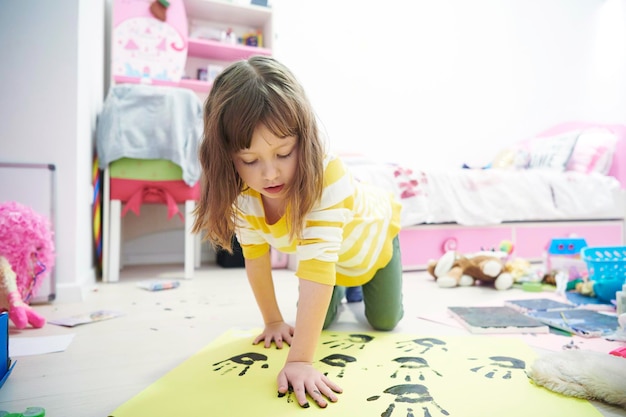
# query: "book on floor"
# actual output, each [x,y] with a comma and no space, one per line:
[500,319]
[580,321]
[537,304]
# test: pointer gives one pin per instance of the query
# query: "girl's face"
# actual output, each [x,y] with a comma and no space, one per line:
[268,166]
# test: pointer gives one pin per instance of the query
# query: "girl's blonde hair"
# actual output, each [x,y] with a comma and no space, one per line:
[259,90]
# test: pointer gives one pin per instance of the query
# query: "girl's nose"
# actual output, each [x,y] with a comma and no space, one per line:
[270,172]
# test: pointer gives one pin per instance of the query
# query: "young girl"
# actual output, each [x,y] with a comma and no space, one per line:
[267,179]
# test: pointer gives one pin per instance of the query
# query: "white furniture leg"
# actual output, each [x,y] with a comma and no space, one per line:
[106,217]
[115,239]
[197,245]
[190,240]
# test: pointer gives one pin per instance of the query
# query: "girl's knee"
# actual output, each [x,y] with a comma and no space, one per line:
[384,323]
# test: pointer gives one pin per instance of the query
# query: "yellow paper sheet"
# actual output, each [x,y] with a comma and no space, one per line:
[382,374]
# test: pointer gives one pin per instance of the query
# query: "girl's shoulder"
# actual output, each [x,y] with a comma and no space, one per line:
[249,201]
[334,169]
[332,161]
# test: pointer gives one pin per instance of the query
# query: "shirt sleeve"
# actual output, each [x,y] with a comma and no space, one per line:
[252,242]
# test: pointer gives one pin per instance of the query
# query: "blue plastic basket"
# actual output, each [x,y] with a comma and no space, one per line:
[605,262]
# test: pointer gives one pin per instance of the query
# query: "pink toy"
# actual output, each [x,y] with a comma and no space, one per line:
[26,258]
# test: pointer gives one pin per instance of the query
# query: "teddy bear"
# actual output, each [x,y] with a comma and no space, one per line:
[26,257]
[453,270]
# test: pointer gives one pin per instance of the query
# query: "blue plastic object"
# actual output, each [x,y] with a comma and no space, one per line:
[606,262]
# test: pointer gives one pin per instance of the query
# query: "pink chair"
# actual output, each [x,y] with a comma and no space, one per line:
[147,140]
[123,195]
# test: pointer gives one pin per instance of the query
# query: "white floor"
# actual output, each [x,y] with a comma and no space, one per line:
[111,361]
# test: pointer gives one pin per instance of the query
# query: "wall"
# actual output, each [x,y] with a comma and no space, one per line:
[457,79]
[51,90]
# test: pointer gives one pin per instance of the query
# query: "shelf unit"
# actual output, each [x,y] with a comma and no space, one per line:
[200,53]
[204,50]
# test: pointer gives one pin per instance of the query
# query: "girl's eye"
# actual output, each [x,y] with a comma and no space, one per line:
[248,162]
[285,156]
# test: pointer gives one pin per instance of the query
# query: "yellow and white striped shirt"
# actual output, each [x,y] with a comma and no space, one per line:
[347,236]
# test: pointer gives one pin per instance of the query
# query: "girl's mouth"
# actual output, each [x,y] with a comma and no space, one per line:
[275,189]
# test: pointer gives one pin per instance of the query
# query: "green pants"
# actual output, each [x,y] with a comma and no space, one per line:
[382,295]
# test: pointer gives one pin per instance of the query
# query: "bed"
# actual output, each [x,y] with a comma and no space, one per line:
[569,180]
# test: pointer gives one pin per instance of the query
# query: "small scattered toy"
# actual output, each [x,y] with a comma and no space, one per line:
[26,258]
[604,290]
[564,255]
[30,412]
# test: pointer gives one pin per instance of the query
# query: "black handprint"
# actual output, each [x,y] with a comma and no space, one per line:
[338,360]
[357,341]
[426,342]
[410,394]
[502,362]
[247,359]
[409,363]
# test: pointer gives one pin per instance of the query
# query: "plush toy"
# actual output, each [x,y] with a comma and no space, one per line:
[453,270]
[26,257]
[523,271]
[582,373]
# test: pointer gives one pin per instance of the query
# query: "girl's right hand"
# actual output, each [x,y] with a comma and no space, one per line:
[278,332]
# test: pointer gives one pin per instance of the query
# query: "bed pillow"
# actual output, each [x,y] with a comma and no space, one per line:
[515,157]
[552,152]
[593,152]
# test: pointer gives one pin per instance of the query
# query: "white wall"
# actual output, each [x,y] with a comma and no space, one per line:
[51,89]
[455,78]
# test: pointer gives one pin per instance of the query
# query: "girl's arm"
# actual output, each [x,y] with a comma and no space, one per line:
[313,304]
[298,373]
[259,271]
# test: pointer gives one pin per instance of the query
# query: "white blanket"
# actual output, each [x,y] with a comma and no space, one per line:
[491,196]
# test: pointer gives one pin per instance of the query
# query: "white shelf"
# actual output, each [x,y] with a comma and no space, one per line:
[228,12]
[204,48]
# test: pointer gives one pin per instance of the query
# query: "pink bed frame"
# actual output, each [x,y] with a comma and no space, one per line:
[422,243]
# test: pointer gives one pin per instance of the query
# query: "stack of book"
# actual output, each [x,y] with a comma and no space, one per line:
[536,315]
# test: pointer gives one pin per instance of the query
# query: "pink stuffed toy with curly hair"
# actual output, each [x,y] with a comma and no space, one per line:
[26,258]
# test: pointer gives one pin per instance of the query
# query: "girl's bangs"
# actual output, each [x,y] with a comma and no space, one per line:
[256,105]
[239,120]
[281,119]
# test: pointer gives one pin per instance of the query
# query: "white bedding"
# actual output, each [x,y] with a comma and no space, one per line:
[481,197]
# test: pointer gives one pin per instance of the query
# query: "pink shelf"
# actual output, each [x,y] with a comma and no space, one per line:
[195,85]
[201,48]
[204,48]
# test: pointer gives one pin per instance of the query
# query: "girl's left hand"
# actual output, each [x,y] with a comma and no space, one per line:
[279,332]
[303,379]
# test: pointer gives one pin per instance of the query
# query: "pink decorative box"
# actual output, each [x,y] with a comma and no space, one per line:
[564,254]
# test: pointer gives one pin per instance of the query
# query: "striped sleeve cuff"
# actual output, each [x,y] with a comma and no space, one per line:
[317,271]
